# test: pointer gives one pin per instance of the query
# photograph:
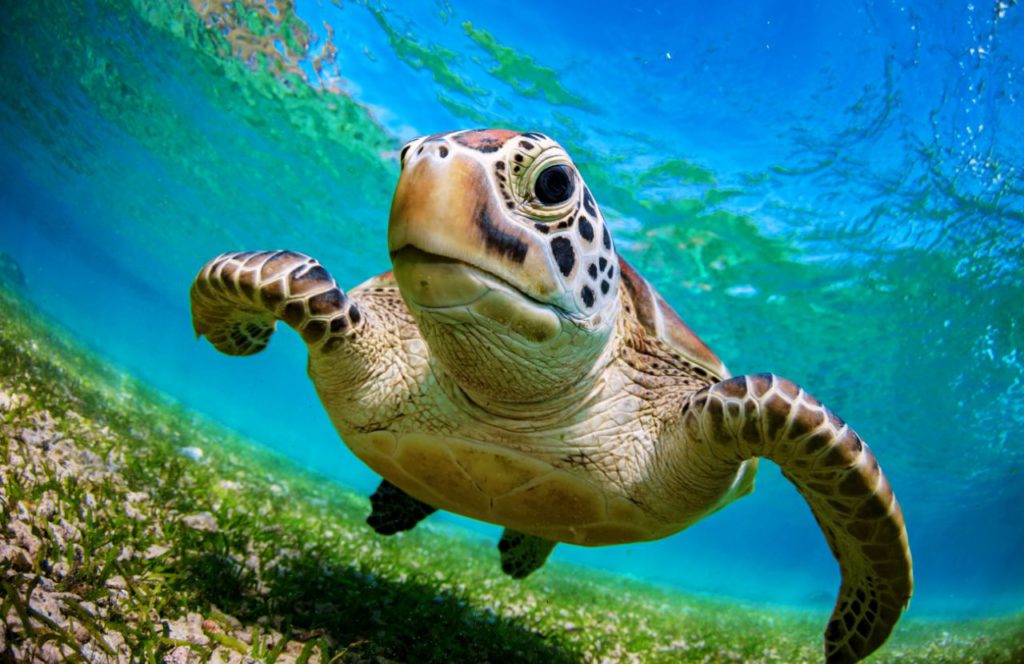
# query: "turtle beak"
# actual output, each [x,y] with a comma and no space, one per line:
[446,206]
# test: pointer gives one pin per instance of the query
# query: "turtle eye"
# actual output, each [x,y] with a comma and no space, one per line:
[554,185]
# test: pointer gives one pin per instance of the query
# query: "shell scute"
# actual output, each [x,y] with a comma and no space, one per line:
[434,466]
[557,499]
[497,471]
[660,320]
[602,534]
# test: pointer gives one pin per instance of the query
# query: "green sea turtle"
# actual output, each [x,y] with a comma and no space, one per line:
[514,369]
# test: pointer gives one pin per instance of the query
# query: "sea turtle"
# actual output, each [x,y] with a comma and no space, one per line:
[513,368]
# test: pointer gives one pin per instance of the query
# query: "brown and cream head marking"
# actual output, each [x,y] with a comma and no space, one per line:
[505,260]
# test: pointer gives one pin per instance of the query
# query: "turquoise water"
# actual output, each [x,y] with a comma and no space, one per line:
[828,191]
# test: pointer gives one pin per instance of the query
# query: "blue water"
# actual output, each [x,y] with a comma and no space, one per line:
[829,191]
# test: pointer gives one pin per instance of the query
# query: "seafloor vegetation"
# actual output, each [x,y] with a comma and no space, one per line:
[134,530]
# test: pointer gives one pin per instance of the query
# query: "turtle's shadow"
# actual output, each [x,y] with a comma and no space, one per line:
[366,616]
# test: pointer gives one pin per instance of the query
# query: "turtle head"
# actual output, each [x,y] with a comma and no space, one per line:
[504,259]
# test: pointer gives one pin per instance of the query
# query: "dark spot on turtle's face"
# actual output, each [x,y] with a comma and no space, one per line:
[354,315]
[588,202]
[587,296]
[339,324]
[592,271]
[602,262]
[604,287]
[442,152]
[565,255]
[500,166]
[405,151]
[498,240]
[586,229]
[542,228]
[606,239]
[526,145]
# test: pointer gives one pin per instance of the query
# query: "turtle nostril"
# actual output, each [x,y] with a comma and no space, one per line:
[443,151]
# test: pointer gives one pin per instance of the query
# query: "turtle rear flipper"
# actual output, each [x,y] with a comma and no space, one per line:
[395,511]
[238,297]
[522,554]
[767,416]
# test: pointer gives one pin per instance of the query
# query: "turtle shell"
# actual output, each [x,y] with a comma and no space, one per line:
[658,319]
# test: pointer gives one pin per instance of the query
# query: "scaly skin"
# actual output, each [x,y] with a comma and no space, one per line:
[514,369]
[238,298]
[771,417]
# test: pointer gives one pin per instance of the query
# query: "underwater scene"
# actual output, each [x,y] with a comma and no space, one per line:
[832,193]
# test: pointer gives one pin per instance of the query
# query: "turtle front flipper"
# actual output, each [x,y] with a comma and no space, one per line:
[238,297]
[767,416]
